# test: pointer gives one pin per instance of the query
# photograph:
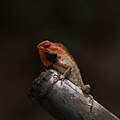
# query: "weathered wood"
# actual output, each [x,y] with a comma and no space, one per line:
[65,101]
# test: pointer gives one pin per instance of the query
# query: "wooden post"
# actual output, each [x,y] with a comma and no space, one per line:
[65,101]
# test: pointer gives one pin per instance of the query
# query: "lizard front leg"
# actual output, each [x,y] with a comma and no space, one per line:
[66,70]
[65,74]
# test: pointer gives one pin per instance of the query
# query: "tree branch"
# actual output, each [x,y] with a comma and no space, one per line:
[65,101]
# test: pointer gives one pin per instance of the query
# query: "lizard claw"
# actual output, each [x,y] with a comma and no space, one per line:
[62,77]
[91,100]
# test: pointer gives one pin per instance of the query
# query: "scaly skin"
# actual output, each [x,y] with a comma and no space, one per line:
[56,55]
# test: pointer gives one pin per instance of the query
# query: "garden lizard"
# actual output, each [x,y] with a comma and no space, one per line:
[56,55]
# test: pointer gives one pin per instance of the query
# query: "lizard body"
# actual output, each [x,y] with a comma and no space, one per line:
[56,55]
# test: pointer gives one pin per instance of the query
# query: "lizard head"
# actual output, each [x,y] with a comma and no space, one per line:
[49,52]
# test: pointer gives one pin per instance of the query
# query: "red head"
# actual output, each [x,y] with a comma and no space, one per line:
[48,47]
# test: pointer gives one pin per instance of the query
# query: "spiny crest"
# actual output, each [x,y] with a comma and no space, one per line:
[64,48]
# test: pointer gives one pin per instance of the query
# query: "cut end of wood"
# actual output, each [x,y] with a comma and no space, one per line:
[64,100]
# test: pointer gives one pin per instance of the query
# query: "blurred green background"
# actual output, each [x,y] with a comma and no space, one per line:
[89,29]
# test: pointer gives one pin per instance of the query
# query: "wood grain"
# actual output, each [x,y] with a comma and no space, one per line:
[65,101]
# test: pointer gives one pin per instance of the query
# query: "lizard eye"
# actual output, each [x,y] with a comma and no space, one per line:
[46,46]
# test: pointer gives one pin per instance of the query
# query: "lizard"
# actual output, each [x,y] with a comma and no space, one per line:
[56,55]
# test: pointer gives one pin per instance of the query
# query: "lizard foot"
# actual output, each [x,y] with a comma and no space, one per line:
[91,100]
[62,77]
[86,89]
